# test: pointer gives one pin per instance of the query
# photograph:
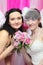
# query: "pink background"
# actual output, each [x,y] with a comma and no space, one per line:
[17,3]
[23,3]
[8,4]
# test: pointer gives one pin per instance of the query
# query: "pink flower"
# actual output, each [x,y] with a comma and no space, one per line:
[16,43]
[27,41]
[18,32]
[17,35]
[25,26]
[21,37]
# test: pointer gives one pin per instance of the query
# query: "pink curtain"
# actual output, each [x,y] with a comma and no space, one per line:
[36,4]
[24,3]
[17,3]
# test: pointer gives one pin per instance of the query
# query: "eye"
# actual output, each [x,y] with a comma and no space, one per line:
[12,19]
[19,18]
[27,22]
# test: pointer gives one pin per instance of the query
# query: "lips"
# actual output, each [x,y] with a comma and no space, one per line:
[15,24]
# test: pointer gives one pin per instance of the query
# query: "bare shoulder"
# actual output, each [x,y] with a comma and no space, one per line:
[3,33]
[41,30]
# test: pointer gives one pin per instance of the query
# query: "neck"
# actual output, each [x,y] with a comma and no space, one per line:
[35,30]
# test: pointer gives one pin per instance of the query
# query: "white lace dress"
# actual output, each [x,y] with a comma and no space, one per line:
[36,52]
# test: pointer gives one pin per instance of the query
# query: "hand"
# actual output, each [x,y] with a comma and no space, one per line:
[22,50]
[14,43]
[27,58]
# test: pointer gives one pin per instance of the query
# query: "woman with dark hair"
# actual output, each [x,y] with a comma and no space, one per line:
[13,23]
[32,19]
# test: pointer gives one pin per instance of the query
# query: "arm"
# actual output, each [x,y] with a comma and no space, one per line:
[5,53]
[27,58]
[3,40]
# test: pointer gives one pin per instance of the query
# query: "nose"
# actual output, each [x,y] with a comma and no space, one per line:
[30,23]
[16,21]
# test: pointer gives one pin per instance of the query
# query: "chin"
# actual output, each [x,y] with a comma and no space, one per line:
[32,28]
[16,27]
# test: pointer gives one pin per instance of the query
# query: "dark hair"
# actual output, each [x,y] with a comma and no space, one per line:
[33,14]
[6,26]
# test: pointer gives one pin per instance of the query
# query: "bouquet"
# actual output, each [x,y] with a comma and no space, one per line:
[21,39]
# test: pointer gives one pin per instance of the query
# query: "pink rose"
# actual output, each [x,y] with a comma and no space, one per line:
[16,43]
[27,41]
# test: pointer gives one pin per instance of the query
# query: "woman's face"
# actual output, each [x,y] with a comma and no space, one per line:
[15,20]
[32,24]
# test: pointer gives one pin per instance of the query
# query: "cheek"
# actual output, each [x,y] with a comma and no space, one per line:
[12,22]
[34,23]
[20,22]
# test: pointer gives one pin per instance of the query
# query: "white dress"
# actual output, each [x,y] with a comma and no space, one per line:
[36,52]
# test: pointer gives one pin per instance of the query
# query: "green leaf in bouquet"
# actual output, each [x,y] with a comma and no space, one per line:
[20,45]
[27,46]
